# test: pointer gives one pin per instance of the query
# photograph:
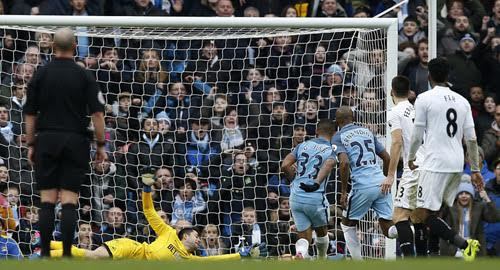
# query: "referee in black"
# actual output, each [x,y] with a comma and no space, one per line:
[60,97]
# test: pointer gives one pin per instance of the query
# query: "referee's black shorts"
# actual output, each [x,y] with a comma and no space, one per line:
[61,160]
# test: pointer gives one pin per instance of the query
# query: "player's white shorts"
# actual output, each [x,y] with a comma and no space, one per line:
[406,196]
[434,188]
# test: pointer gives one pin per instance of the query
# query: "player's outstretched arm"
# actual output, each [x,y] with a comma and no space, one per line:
[287,166]
[152,217]
[246,252]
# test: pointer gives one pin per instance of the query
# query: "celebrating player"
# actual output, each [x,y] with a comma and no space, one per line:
[357,148]
[167,246]
[400,121]
[307,201]
[446,118]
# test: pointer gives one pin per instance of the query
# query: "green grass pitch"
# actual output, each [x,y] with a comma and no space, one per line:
[420,264]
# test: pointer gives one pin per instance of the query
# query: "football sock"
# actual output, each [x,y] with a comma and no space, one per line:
[405,237]
[69,218]
[420,239]
[322,245]
[433,244]
[302,247]
[440,227]
[75,252]
[46,225]
[56,245]
[352,241]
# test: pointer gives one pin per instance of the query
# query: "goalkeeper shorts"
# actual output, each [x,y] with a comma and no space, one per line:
[124,248]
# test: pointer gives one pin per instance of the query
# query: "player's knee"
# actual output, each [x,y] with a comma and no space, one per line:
[348,222]
[400,214]
[420,214]
[69,197]
[321,231]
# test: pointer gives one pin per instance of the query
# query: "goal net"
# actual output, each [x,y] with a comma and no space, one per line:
[211,109]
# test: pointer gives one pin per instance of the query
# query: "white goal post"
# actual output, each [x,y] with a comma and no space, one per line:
[218,28]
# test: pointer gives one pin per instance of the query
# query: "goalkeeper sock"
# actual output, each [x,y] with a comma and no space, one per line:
[69,218]
[75,252]
[302,248]
[405,237]
[46,225]
[420,239]
[56,245]
[322,245]
[352,241]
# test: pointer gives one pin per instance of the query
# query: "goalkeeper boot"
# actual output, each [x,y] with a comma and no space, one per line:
[471,250]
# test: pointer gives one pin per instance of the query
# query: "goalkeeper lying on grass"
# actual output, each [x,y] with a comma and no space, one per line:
[167,246]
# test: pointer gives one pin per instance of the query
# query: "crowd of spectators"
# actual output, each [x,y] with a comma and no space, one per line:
[213,119]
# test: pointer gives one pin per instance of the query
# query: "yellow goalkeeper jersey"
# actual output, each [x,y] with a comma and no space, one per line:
[167,245]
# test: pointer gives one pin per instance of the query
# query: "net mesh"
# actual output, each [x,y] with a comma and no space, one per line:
[210,112]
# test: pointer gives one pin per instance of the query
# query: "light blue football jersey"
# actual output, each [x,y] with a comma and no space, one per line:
[362,148]
[310,157]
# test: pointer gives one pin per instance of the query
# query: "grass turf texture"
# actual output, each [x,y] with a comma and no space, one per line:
[420,264]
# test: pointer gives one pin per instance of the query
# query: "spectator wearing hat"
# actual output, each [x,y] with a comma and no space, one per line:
[165,125]
[464,64]
[492,230]
[467,217]
[449,38]
[491,138]
[411,31]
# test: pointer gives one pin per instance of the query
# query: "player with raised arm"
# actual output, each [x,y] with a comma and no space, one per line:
[307,198]
[446,118]
[168,244]
[400,119]
[357,149]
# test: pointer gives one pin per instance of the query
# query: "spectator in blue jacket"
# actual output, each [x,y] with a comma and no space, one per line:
[492,230]
[9,249]
[485,171]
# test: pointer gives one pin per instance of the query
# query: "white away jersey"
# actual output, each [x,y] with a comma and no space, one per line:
[401,117]
[445,115]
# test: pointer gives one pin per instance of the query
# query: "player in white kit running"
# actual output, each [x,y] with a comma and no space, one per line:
[446,118]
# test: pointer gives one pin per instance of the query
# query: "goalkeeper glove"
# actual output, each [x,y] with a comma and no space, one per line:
[252,251]
[309,188]
[148,179]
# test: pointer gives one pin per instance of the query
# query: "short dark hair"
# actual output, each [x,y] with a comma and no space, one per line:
[185,231]
[439,69]
[325,126]
[400,86]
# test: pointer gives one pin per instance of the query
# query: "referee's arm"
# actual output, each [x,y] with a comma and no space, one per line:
[96,102]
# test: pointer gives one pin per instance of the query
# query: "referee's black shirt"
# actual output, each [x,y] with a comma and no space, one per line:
[63,94]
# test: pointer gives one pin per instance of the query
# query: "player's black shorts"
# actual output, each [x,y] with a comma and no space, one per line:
[61,160]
